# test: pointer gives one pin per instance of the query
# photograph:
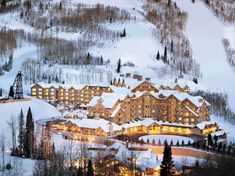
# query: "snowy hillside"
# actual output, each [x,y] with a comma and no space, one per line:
[206,33]
[40,110]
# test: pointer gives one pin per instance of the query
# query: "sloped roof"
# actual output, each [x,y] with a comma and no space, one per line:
[95,123]
[108,99]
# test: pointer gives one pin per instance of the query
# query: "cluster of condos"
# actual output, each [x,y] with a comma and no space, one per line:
[171,108]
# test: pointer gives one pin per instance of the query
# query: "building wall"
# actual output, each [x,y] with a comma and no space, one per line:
[145,86]
[68,96]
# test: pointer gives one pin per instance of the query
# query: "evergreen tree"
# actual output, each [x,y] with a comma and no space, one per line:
[165,55]
[159,142]
[123,34]
[11,92]
[182,143]
[1,71]
[158,56]
[195,80]
[88,59]
[167,163]
[60,6]
[189,143]
[21,132]
[177,143]
[224,148]
[172,46]
[80,171]
[119,66]
[215,140]
[3,3]
[29,135]
[219,147]
[209,140]
[90,171]
[101,60]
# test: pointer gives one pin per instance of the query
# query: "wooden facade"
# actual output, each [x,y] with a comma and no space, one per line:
[69,95]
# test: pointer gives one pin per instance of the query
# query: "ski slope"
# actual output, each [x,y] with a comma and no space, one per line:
[206,32]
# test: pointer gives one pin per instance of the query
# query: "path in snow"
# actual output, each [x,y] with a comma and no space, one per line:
[205,32]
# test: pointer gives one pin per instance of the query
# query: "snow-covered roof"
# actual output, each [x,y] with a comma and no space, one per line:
[203,124]
[116,110]
[189,109]
[149,121]
[56,85]
[122,90]
[108,99]
[219,133]
[95,123]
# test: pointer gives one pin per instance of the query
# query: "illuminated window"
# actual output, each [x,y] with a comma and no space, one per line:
[180,118]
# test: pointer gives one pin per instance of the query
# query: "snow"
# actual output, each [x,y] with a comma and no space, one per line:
[40,110]
[206,32]
[107,99]
[96,123]
[167,138]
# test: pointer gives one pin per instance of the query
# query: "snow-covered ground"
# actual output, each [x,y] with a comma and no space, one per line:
[206,32]
[167,138]
[40,110]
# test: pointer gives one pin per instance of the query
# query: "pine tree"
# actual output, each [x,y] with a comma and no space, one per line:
[172,46]
[209,140]
[88,59]
[29,135]
[60,6]
[11,92]
[124,32]
[158,56]
[90,169]
[189,143]
[167,163]
[80,171]
[3,3]
[119,66]
[177,143]
[21,132]
[165,55]
[101,60]
[1,71]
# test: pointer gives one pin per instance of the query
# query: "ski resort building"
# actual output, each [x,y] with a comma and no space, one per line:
[121,105]
[67,94]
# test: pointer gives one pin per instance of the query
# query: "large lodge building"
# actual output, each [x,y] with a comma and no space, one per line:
[121,105]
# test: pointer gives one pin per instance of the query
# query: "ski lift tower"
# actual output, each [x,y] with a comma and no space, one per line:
[18,86]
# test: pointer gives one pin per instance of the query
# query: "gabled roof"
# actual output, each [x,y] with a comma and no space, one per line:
[138,83]
[189,109]
[108,99]
[95,124]
[116,110]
